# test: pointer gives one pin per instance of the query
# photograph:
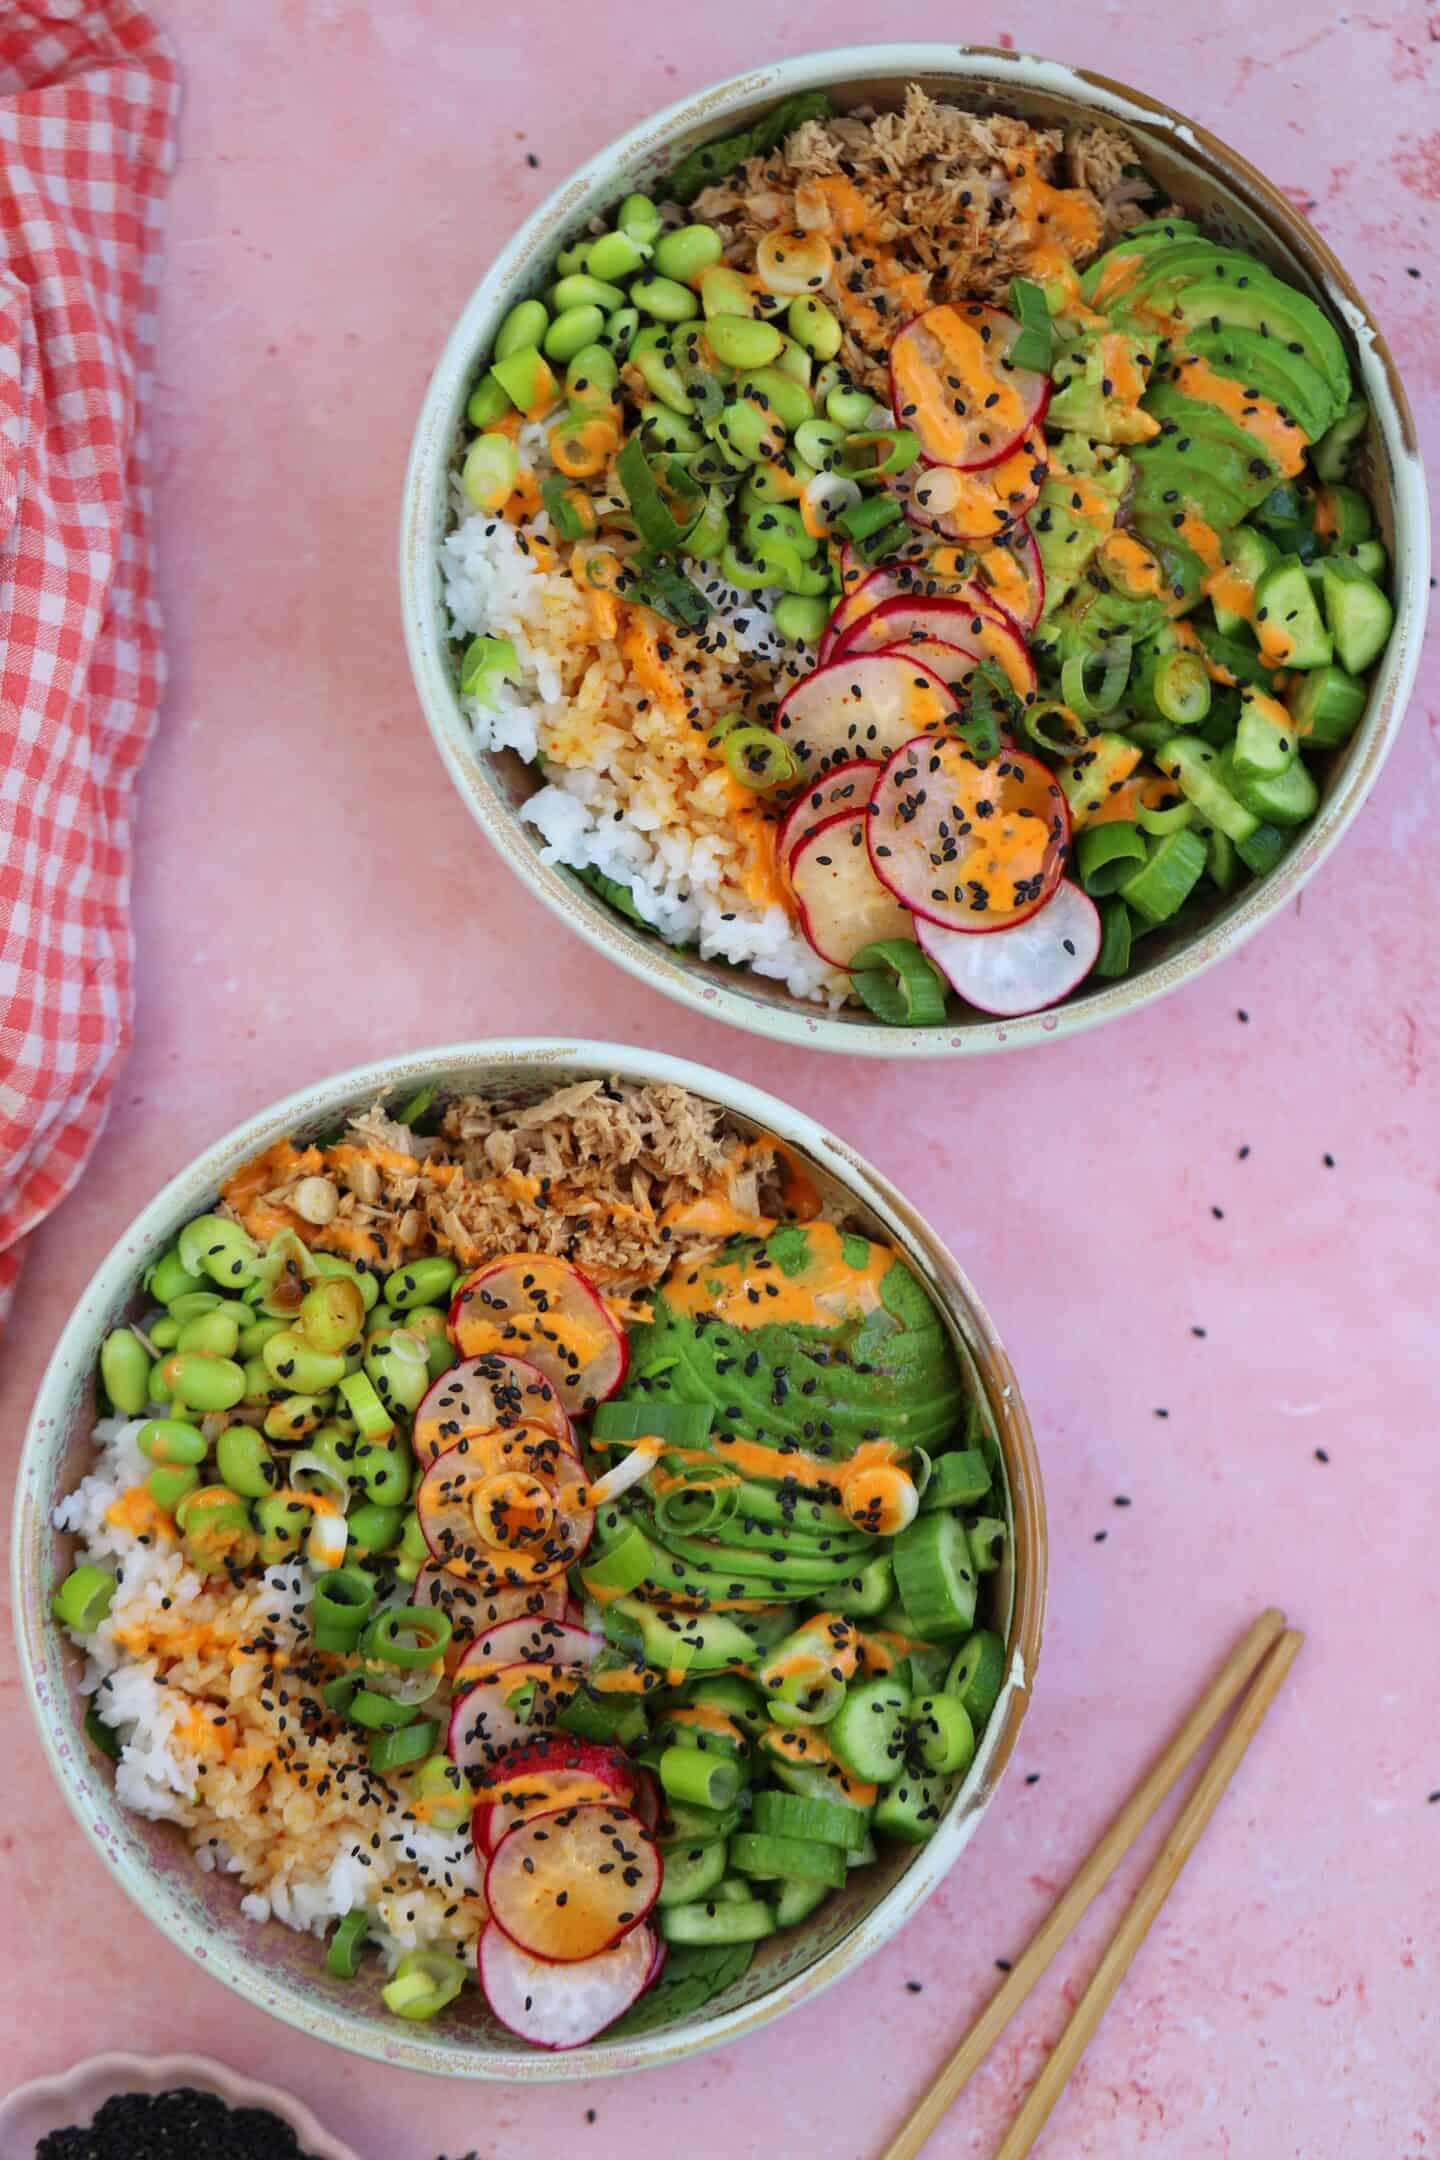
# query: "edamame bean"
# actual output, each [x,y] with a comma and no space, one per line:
[741,342]
[723,292]
[526,376]
[290,1360]
[332,1316]
[171,1483]
[782,479]
[254,1338]
[214,1334]
[171,1440]
[616,255]
[244,1462]
[490,471]
[801,620]
[398,1368]
[215,1526]
[669,430]
[831,376]
[582,290]
[571,259]
[790,399]
[619,332]
[818,440]
[661,373]
[772,521]
[125,1370]
[382,1469]
[488,402]
[750,430]
[169,1278]
[592,377]
[850,407]
[294,1416]
[202,1382]
[326,1263]
[576,327]
[192,1303]
[708,535]
[259,1385]
[639,217]
[421,1282]
[525,325]
[213,1245]
[814,326]
[794,362]
[159,1389]
[684,253]
[374,1528]
[429,1323]
[664,299]
[164,1333]
[283,1523]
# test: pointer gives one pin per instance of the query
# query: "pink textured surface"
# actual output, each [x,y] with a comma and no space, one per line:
[310,893]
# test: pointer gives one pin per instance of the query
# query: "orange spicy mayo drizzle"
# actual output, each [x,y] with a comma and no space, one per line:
[1281,440]
[753,1293]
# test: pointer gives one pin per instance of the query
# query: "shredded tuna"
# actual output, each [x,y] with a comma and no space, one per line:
[928,204]
[605,1173]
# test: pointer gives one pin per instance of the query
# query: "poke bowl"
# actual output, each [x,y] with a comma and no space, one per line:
[529,1716]
[914,550]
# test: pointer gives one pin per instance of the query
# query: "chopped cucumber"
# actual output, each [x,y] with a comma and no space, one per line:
[827,1822]
[867,1732]
[936,1576]
[1326,705]
[1250,554]
[692,1871]
[956,1480]
[1287,799]
[1331,455]
[1267,740]
[786,1859]
[1284,600]
[977,1674]
[911,1810]
[1198,768]
[1359,614]
[986,1537]
[797,1900]
[717,1921]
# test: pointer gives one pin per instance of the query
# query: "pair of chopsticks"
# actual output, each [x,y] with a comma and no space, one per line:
[1264,1657]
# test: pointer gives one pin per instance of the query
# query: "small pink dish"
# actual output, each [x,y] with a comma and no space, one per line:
[54,2103]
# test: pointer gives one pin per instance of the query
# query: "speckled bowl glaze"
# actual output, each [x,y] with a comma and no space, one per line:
[1234,202]
[76,2096]
[283,1972]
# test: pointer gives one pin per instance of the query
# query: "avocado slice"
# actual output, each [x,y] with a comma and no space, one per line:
[1261,364]
[1068,532]
[1168,482]
[1084,397]
[1096,613]
[1191,428]
[1144,240]
[1170,269]
[1271,310]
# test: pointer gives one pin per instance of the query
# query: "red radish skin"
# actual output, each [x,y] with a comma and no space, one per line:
[484,1394]
[548,1774]
[952,382]
[949,662]
[843,905]
[974,843]
[505,1509]
[857,600]
[514,1642]
[860,708]
[657,1960]
[846,787]
[533,1306]
[567,1885]
[563,2006]
[510,1709]
[970,620]
[1013,576]
[1033,964]
[974,509]
[472,1609]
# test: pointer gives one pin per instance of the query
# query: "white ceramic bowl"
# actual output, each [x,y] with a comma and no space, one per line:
[283,1972]
[1235,202]
[76,2096]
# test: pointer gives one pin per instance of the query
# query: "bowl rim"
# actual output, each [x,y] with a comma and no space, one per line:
[50,1693]
[646,958]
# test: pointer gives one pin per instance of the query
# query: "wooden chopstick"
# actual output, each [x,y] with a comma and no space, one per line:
[1149,1898]
[1070,1908]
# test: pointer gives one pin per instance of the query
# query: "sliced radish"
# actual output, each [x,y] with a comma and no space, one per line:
[472,1608]
[1033,964]
[949,662]
[844,787]
[563,2006]
[565,1886]
[857,599]
[974,843]
[953,382]
[1011,572]
[842,903]
[537,1641]
[512,1706]
[552,1773]
[647,1799]
[481,1395]
[969,620]
[657,1961]
[505,1509]
[974,508]
[546,1312]
[861,708]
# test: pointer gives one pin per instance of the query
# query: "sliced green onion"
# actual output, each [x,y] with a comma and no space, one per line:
[875,454]
[1107,854]
[558,497]
[658,585]
[698,1508]
[1089,703]
[374,1421]
[490,471]
[425,1982]
[659,527]
[759,760]
[343,1601]
[342,1955]
[1054,728]
[869,517]
[627,1563]
[339,1693]
[899,984]
[380,1713]
[679,1424]
[1114,955]
[989,706]
[1167,817]
[1162,884]
[393,1750]
[414,1107]
[1180,688]
[104,1736]
[84,1598]
[1034,347]
[702,1780]
[410,1636]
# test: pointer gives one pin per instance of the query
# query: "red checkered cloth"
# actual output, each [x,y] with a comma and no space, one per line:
[88,102]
